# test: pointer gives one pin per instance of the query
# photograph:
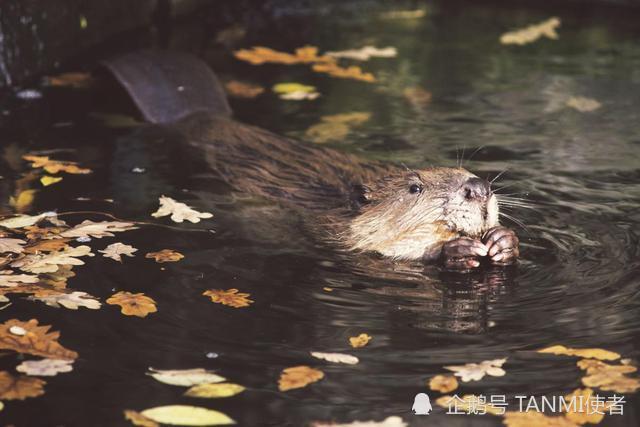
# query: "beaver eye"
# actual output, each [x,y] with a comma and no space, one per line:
[415,188]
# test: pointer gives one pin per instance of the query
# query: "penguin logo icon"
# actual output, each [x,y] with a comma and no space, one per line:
[421,404]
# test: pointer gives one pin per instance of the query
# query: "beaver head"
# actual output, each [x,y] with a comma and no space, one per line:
[410,214]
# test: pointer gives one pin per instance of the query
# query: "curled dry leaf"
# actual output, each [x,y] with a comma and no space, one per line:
[393,421]
[298,377]
[45,367]
[165,255]
[230,297]
[365,53]
[51,262]
[19,387]
[443,383]
[532,33]
[212,391]
[37,340]
[185,377]
[535,419]
[178,211]
[97,230]
[336,357]
[55,166]
[72,301]
[11,245]
[261,55]
[360,341]
[477,371]
[469,403]
[116,250]
[351,72]
[609,377]
[137,419]
[584,105]
[587,353]
[243,90]
[183,415]
[133,304]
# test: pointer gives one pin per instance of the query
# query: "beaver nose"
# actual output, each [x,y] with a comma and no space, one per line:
[476,188]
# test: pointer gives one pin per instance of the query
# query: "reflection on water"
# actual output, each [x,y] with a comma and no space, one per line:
[576,284]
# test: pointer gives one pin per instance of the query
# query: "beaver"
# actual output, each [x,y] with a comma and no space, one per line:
[435,214]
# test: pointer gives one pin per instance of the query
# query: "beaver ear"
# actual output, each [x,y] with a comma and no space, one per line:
[361,194]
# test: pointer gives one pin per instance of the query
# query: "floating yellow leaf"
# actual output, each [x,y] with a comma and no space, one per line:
[584,407]
[535,419]
[133,304]
[185,377]
[230,297]
[20,387]
[532,33]
[336,357]
[37,340]
[55,166]
[360,341]
[443,383]
[243,90]
[23,201]
[137,419]
[352,72]
[165,255]
[298,377]
[212,391]
[183,415]
[469,403]
[261,55]
[49,180]
[609,377]
[584,105]
[292,87]
[587,353]
[76,80]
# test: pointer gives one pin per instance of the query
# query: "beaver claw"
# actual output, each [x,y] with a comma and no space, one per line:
[502,244]
[463,253]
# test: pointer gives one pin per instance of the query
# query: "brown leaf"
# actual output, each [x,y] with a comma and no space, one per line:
[34,232]
[133,304]
[54,245]
[243,90]
[55,166]
[298,377]
[359,341]
[38,341]
[261,55]
[165,255]
[443,383]
[137,419]
[76,80]
[20,387]
[230,297]
[352,72]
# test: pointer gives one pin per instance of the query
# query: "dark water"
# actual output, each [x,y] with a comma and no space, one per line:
[576,283]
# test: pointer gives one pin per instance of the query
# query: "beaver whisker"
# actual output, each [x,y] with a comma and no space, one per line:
[497,176]
[515,220]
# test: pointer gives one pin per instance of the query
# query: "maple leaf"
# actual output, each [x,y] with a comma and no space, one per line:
[11,245]
[298,377]
[116,250]
[37,340]
[50,262]
[476,371]
[336,357]
[360,341]
[98,230]
[20,387]
[45,367]
[443,383]
[230,297]
[165,255]
[133,304]
[137,419]
[55,166]
[72,301]
[178,211]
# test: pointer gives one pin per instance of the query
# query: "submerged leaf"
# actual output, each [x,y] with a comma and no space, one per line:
[298,377]
[37,340]
[133,304]
[178,211]
[183,415]
[116,250]
[336,357]
[360,341]
[532,33]
[477,371]
[20,387]
[230,297]
[443,383]
[185,377]
[587,353]
[45,367]
[209,390]
[165,255]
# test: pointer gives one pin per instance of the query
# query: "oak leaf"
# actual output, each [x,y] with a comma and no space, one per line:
[476,371]
[11,245]
[360,341]
[50,262]
[116,250]
[298,377]
[45,367]
[609,377]
[261,55]
[230,297]
[37,340]
[443,383]
[133,304]
[585,408]
[53,245]
[13,280]
[165,255]
[587,353]
[72,301]
[179,211]
[97,230]
[20,387]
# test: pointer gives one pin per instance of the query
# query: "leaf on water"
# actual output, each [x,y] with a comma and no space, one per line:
[37,340]
[477,371]
[360,341]
[55,166]
[535,419]
[23,201]
[183,415]
[282,88]
[335,127]
[393,421]
[532,33]
[239,89]
[116,250]
[137,419]
[336,357]
[298,377]
[587,353]
[352,72]
[178,211]
[11,245]
[35,232]
[165,255]
[50,180]
[609,377]
[212,391]
[20,221]
[185,377]
[300,96]
[19,387]
[77,80]
[443,383]
[45,367]
[365,53]
[230,297]
[12,280]
[133,304]
[586,407]
[97,230]
[261,55]
[50,262]
[469,403]
[584,105]
[404,14]
[72,301]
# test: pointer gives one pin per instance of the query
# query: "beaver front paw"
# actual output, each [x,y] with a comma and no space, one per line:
[503,245]
[463,253]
